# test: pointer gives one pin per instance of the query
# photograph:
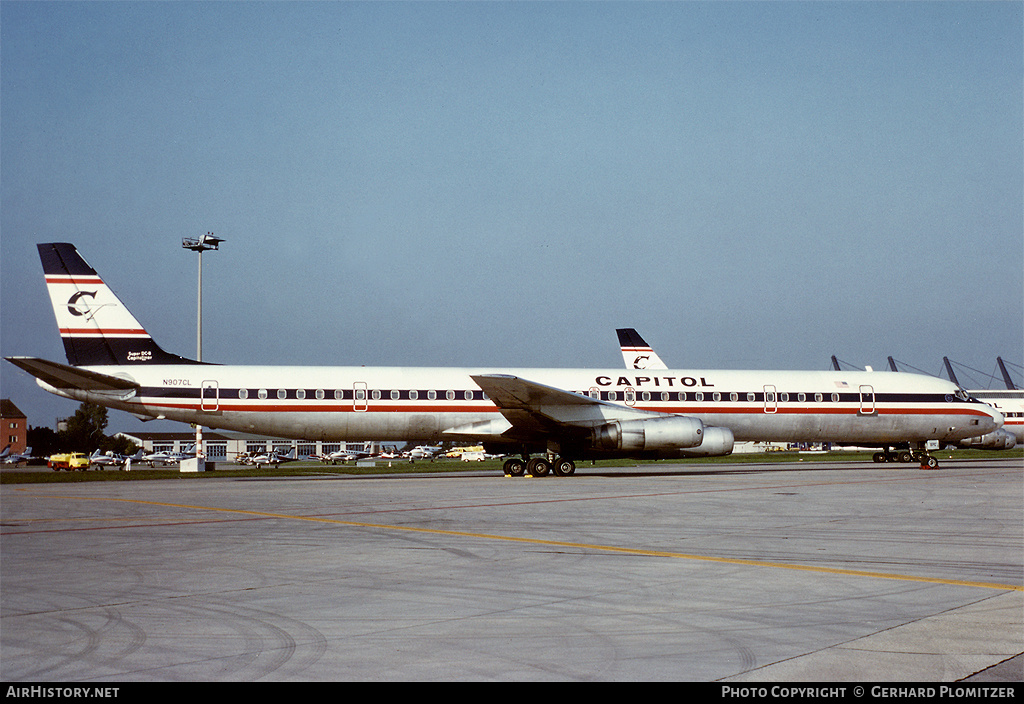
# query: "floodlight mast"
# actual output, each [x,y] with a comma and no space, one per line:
[199,244]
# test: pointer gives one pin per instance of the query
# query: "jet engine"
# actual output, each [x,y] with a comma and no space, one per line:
[718,442]
[669,432]
[996,440]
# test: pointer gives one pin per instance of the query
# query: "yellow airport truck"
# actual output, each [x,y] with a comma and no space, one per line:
[69,461]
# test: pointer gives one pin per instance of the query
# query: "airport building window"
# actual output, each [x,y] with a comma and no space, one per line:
[217,451]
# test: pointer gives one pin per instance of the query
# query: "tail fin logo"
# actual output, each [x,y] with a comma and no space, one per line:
[642,361]
[83,308]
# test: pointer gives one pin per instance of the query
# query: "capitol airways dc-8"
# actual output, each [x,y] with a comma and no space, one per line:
[550,418]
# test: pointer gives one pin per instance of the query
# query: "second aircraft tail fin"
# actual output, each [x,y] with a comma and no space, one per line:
[636,353]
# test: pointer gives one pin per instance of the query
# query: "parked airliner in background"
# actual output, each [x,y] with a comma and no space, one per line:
[556,415]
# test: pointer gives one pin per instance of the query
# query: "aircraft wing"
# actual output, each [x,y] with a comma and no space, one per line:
[62,376]
[534,409]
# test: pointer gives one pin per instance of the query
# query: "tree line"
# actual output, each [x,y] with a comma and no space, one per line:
[82,432]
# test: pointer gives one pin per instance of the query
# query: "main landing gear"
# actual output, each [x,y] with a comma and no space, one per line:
[908,455]
[539,467]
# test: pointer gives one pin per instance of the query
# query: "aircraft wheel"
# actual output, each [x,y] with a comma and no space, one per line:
[563,467]
[905,456]
[929,462]
[514,467]
[879,457]
[538,467]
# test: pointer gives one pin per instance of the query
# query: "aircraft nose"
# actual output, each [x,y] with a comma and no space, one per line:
[995,419]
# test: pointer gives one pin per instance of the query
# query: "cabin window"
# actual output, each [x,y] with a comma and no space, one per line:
[375,394]
[300,394]
[450,395]
[395,395]
[338,394]
[733,396]
[413,395]
[699,396]
[817,398]
[432,395]
[262,393]
[282,393]
[750,396]
[801,397]
[717,396]
[835,396]
[243,393]
[320,395]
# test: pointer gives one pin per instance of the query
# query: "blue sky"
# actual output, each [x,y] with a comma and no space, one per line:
[750,185]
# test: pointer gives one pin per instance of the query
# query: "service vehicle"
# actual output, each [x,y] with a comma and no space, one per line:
[69,461]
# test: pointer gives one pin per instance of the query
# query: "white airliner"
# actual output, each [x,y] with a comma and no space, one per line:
[556,415]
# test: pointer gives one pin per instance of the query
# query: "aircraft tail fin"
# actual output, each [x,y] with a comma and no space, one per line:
[96,328]
[636,353]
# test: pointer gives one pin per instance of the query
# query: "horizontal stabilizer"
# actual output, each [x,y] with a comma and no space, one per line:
[62,376]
